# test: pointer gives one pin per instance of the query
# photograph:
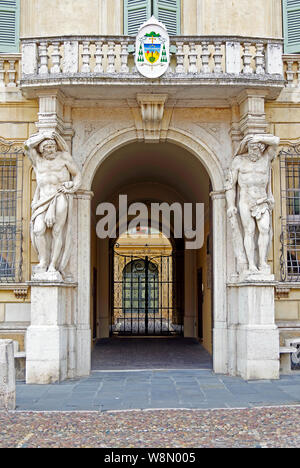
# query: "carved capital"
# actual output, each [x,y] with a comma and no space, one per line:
[55,114]
[252,112]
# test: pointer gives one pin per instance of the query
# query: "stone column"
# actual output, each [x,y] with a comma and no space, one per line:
[190,293]
[220,325]
[83,327]
[7,376]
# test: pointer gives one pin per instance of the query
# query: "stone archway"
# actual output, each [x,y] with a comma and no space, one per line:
[213,167]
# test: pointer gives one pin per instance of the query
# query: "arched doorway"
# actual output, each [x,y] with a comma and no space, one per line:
[182,169]
[152,174]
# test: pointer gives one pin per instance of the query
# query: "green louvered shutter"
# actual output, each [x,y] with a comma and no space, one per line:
[291,26]
[9,25]
[136,12]
[168,12]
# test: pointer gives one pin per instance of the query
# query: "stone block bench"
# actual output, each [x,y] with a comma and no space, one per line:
[285,355]
[20,362]
[7,376]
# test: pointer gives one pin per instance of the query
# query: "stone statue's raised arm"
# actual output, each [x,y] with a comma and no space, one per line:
[32,143]
[30,147]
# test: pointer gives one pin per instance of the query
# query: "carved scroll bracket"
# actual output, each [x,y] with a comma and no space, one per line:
[152,118]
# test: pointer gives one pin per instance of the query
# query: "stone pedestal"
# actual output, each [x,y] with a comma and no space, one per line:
[51,337]
[7,376]
[255,332]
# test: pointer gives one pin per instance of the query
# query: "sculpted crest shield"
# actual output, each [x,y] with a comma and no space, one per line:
[152,51]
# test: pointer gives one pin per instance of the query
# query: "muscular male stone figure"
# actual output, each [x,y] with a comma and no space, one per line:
[58,178]
[250,177]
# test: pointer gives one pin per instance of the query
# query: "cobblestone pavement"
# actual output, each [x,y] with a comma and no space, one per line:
[256,427]
[148,408]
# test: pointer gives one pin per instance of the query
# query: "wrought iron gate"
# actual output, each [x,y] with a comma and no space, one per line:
[147,298]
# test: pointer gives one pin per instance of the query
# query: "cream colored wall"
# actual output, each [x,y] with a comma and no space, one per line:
[17,123]
[283,117]
[223,17]
[71,17]
[260,18]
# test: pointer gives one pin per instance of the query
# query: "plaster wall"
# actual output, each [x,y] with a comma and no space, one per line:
[258,18]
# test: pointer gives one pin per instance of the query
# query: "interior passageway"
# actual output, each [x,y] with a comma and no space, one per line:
[150,353]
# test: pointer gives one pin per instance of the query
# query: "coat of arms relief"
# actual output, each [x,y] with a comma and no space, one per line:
[152,56]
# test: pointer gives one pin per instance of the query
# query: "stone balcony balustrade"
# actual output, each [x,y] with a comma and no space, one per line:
[292,70]
[200,66]
[9,70]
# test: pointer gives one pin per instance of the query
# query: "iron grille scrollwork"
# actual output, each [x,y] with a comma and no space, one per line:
[147,295]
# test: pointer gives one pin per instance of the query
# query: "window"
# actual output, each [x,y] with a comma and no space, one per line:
[290,213]
[136,12]
[9,25]
[291,26]
[11,175]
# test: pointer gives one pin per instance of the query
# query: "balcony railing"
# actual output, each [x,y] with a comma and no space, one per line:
[75,58]
[292,70]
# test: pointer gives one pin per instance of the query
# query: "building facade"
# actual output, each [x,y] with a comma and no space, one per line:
[233,71]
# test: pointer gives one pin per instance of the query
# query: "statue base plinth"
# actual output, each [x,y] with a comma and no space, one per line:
[46,276]
[251,277]
[254,336]
[51,337]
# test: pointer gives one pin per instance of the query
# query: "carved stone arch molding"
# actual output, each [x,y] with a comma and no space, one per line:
[201,150]
[212,163]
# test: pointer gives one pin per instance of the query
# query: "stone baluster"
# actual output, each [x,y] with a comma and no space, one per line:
[99,57]
[193,59]
[180,58]
[86,57]
[218,57]
[56,57]
[43,55]
[12,73]
[2,73]
[247,56]
[205,55]
[260,58]
[111,57]
[124,57]
[290,73]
